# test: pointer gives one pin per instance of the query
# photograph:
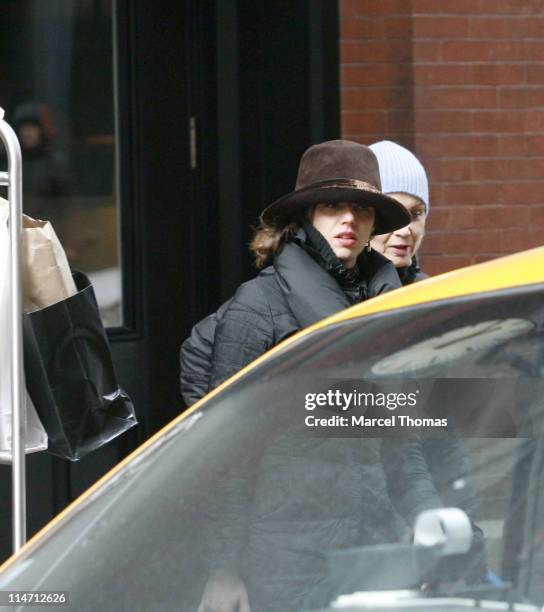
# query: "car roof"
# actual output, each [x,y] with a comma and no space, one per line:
[521,269]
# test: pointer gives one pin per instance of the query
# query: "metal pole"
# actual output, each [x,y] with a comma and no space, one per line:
[18,416]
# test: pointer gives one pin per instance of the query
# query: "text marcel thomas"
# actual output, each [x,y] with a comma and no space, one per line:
[340,400]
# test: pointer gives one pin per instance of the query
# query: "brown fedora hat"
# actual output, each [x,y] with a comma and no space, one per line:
[338,171]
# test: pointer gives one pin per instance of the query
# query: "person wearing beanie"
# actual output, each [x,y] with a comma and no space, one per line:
[442,460]
[265,540]
[403,178]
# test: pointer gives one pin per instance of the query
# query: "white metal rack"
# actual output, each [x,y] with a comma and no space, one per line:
[13,180]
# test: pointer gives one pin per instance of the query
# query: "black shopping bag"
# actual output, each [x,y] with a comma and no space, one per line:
[70,375]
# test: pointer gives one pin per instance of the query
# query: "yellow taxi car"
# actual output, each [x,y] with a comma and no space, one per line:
[296,484]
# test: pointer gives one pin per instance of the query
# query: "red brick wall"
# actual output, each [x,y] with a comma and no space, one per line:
[461,83]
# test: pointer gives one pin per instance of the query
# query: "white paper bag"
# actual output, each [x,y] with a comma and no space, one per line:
[36,438]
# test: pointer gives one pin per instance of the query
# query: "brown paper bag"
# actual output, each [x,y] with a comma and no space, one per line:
[46,274]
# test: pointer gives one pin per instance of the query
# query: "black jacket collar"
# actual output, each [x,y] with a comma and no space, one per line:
[412,273]
[313,292]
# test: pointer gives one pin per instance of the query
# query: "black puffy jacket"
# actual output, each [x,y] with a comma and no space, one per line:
[306,283]
[277,511]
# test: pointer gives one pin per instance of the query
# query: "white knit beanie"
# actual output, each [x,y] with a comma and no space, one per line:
[401,171]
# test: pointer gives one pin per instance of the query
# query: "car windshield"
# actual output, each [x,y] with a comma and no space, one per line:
[265,491]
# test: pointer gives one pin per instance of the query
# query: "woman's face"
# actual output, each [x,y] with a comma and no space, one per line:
[401,245]
[346,227]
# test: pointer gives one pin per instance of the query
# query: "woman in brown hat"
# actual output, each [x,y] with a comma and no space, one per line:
[313,248]
[317,242]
